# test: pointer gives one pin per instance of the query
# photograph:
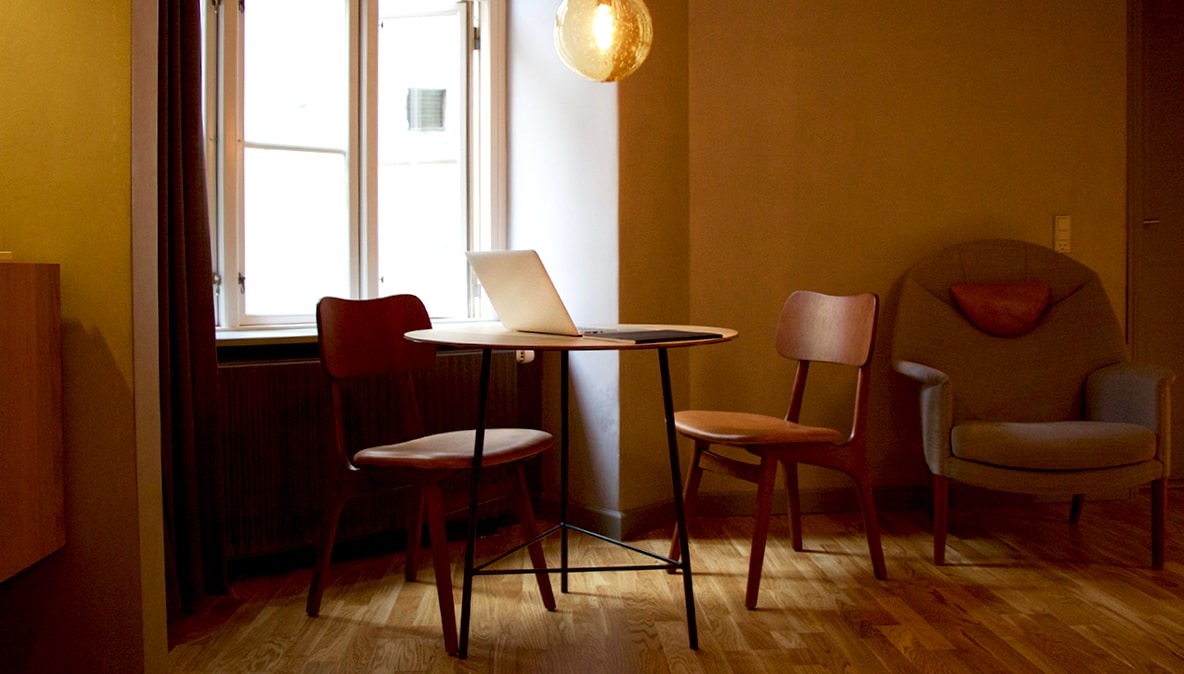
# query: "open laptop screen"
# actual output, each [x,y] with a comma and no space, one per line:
[521,292]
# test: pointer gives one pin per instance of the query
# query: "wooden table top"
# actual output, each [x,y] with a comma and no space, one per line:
[491,334]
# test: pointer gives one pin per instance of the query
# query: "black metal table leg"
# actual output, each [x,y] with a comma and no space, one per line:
[564,432]
[471,540]
[679,512]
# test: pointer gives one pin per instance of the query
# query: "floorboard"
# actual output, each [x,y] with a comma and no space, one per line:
[1022,591]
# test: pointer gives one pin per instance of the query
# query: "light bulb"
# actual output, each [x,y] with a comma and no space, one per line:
[603,27]
[603,40]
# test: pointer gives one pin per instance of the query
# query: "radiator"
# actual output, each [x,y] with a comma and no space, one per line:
[277,432]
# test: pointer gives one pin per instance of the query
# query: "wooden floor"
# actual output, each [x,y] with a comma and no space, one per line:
[1023,591]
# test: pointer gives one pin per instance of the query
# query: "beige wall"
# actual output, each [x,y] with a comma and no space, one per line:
[65,197]
[654,255]
[833,144]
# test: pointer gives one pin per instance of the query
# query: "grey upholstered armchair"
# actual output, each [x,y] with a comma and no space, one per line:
[1025,383]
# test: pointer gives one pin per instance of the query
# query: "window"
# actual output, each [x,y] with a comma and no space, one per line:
[354,152]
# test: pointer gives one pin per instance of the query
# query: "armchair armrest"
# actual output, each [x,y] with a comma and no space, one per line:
[937,410]
[922,373]
[1136,393]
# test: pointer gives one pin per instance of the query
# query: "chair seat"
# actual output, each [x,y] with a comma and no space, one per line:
[746,428]
[1060,445]
[454,450]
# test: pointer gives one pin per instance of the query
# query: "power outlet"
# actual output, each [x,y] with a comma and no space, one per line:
[1062,234]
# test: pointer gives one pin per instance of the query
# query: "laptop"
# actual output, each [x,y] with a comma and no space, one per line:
[521,292]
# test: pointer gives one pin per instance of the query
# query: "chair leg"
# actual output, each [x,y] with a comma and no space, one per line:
[1075,509]
[1159,516]
[795,503]
[414,532]
[760,530]
[320,567]
[867,503]
[941,505]
[434,508]
[529,530]
[694,476]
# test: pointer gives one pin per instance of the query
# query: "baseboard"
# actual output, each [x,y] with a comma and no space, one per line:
[634,523]
[631,524]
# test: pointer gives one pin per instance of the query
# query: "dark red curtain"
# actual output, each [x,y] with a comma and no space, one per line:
[191,453]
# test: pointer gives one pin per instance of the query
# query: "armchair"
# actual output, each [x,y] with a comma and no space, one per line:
[1025,383]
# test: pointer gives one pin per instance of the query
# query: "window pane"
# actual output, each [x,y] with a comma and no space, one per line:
[296,230]
[296,73]
[422,214]
[420,222]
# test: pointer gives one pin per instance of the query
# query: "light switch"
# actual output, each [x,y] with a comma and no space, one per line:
[1061,234]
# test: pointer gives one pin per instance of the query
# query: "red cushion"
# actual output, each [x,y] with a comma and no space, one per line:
[1003,309]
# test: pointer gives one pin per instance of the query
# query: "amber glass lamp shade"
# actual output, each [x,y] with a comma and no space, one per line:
[603,40]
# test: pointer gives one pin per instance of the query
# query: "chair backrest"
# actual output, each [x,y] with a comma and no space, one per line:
[1035,376]
[818,328]
[363,352]
[827,328]
[365,337]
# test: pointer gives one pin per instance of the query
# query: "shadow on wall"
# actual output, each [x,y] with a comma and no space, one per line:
[50,613]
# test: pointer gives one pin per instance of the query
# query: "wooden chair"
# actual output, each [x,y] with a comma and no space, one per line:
[362,339]
[813,328]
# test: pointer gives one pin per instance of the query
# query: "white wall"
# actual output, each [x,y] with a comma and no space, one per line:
[563,203]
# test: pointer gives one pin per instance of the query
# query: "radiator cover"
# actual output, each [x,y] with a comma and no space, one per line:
[277,432]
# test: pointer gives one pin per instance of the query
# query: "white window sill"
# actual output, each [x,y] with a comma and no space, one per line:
[293,334]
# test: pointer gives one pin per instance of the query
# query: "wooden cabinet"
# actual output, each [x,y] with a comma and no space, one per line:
[32,508]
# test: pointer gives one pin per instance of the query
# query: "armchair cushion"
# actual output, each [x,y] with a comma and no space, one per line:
[1059,445]
[1003,309]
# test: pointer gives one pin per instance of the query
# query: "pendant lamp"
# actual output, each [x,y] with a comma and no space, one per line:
[603,40]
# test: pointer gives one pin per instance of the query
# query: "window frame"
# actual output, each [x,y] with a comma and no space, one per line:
[485,157]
